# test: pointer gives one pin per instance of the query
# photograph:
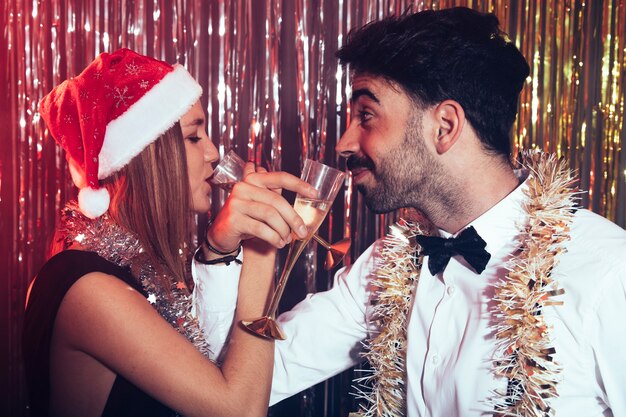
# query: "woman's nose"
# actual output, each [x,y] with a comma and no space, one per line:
[210,153]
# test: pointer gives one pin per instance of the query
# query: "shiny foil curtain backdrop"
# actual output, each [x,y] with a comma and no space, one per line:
[274,93]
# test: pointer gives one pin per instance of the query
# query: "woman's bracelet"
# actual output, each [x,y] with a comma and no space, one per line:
[199,256]
[213,248]
[226,258]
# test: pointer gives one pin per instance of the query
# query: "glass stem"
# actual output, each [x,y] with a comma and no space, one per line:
[321,241]
[295,249]
[278,292]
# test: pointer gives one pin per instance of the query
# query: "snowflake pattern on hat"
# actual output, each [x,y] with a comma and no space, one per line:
[111,111]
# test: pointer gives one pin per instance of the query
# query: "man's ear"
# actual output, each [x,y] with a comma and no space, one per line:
[450,119]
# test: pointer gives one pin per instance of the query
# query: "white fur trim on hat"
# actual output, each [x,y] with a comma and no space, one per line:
[147,119]
[93,203]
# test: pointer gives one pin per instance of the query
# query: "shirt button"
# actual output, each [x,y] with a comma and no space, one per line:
[436,359]
[451,290]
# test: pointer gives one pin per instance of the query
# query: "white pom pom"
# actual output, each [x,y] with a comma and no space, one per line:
[93,203]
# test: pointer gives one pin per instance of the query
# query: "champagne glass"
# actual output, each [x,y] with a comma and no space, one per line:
[230,171]
[326,181]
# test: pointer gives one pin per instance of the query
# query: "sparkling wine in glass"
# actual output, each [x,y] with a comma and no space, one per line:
[326,181]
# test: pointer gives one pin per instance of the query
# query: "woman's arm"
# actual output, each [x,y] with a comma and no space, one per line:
[254,208]
[103,317]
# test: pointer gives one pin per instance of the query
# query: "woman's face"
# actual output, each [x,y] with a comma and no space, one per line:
[201,153]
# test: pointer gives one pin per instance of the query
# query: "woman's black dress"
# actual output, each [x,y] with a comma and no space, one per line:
[52,283]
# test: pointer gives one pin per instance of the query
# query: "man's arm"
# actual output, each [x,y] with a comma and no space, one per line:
[214,301]
[607,339]
[324,331]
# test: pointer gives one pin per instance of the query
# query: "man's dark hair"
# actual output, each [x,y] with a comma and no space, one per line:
[459,54]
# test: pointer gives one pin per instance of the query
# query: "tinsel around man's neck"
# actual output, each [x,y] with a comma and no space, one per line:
[524,350]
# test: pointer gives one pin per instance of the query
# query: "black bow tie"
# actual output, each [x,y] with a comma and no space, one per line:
[468,244]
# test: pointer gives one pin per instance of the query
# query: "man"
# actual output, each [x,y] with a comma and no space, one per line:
[528,320]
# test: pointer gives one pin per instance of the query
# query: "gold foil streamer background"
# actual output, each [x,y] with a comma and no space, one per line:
[275,93]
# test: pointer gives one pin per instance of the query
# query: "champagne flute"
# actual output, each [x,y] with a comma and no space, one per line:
[230,171]
[326,181]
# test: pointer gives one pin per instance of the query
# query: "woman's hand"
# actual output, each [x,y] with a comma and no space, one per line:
[256,209]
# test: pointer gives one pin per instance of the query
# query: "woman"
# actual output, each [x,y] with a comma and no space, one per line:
[95,339]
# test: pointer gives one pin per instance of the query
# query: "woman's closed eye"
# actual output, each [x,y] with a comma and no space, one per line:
[194,139]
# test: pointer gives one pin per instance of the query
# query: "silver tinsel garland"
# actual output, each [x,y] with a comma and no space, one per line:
[117,245]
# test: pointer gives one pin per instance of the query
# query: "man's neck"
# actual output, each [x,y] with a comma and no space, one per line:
[476,193]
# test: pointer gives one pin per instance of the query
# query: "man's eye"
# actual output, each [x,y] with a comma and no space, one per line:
[364,116]
[193,139]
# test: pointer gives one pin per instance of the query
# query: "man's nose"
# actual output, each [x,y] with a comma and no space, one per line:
[348,144]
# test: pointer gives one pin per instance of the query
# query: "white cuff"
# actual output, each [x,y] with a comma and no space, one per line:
[214,300]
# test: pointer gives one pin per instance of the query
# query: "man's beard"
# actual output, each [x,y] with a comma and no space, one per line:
[380,197]
[407,176]
[385,193]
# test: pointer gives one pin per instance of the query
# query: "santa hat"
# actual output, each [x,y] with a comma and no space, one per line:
[108,114]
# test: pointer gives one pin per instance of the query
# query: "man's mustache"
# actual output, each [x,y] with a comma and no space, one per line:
[360,161]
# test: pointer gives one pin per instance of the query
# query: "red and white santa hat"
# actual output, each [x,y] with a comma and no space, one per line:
[108,114]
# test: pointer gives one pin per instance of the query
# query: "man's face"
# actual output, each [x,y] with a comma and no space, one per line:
[391,163]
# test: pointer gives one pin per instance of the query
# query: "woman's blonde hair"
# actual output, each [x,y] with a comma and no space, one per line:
[150,197]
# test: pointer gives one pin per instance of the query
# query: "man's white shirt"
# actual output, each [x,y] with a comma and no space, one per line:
[450,337]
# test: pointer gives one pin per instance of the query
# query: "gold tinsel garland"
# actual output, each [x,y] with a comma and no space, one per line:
[524,352]
[524,347]
[384,390]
